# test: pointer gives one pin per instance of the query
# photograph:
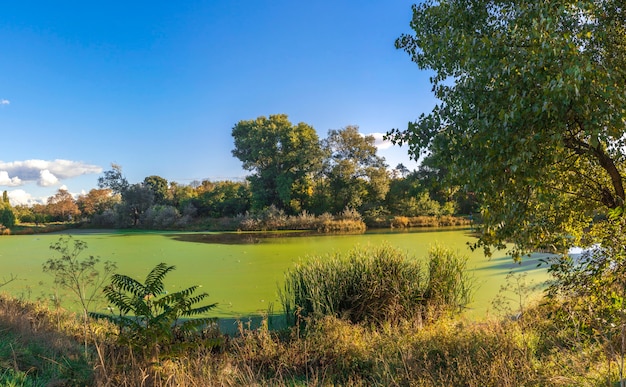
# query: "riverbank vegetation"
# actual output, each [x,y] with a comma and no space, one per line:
[404,329]
[377,286]
[296,181]
[44,347]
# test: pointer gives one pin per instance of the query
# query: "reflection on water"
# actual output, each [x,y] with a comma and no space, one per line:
[252,237]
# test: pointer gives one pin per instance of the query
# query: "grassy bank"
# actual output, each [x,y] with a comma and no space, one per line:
[39,348]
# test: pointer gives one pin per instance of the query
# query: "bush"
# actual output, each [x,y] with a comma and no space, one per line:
[400,222]
[350,214]
[376,285]
[107,219]
[342,225]
[155,322]
[161,217]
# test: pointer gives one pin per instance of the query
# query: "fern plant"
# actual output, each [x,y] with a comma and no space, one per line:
[150,318]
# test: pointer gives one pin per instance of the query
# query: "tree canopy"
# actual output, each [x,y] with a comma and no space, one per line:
[354,171]
[7,216]
[532,110]
[63,206]
[281,156]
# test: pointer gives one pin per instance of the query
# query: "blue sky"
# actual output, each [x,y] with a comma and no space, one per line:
[157,86]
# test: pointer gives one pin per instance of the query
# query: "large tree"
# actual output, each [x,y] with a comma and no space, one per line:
[159,187]
[7,215]
[532,110]
[96,201]
[355,173]
[282,157]
[135,199]
[114,179]
[62,206]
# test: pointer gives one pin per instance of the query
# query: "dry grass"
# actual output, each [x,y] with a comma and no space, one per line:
[427,221]
[329,351]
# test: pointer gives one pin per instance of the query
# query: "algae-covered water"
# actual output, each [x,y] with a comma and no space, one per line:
[241,272]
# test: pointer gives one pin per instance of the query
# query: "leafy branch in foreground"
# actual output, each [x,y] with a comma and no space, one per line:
[149,317]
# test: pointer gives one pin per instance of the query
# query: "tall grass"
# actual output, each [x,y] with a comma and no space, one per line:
[532,351]
[428,221]
[377,285]
[39,347]
[273,218]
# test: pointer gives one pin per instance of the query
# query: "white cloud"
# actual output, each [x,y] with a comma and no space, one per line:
[4,102]
[45,173]
[9,181]
[379,142]
[19,197]
[47,179]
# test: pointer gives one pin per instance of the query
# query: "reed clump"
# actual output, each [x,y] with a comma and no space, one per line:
[272,219]
[377,285]
[428,221]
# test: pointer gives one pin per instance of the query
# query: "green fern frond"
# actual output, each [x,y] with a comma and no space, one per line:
[154,319]
[199,310]
[170,298]
[189,291]
[128,284]
[121,301]
[198,298]
[154,280]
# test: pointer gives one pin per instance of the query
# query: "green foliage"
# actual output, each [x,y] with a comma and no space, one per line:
[449,286]
[592,288]
[377,285]
[532,107]
[136,199]
[114,180]
[355,174]
[222,198]
[7,217]
[281,157]
[82,278]
[27,361]
[159,187]
[158,320]
[160,217]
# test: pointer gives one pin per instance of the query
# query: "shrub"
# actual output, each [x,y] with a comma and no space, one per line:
[107,219]
[400,222]
[154,324]
[449,208]
[161,217]
[4,230]
[303,221]
[342,225]
[273,218]
[350,214]
[81,277]
[376,285]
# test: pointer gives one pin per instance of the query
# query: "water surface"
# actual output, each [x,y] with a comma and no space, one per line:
[242,271]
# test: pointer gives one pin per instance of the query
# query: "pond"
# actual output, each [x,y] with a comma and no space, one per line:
[242,271]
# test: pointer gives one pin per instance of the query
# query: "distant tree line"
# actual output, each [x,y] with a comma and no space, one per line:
[292,172]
